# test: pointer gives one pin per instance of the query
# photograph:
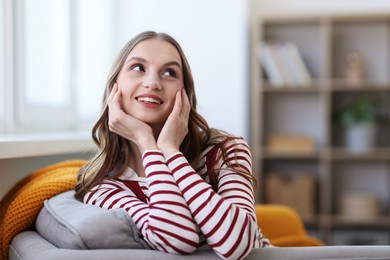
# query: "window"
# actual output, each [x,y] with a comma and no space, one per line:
[2,80]
[93,62]
[61,55]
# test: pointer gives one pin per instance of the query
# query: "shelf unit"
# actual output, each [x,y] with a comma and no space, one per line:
[307,110]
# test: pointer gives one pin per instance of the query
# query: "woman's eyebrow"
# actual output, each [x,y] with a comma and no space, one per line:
[170,63]
[135,58]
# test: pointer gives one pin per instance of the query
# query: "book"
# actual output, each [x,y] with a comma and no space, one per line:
[290,143]
[269,65]
[297,63]
[280,59]
[289,65]
[283,64]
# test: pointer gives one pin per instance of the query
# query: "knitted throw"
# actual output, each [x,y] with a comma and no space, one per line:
[21,205]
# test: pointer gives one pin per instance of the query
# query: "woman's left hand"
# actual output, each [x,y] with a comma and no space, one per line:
[176,127]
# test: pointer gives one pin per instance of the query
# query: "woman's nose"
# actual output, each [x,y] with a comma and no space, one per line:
[152,81]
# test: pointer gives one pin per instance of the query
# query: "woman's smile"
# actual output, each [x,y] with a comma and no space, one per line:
[149,100]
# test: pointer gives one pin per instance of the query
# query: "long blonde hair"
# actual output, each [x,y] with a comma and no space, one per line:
[114,152]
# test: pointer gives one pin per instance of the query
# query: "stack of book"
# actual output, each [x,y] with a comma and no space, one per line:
[283,64]
[283,143]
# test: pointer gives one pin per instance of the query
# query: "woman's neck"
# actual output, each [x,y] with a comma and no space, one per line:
[136,160]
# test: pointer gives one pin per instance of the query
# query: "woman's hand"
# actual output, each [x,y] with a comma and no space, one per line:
[176,127]
[127,126]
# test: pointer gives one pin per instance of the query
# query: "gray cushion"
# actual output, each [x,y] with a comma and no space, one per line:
[68,223]
[29,245]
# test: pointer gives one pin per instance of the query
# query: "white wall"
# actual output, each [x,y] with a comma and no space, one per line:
[214,36]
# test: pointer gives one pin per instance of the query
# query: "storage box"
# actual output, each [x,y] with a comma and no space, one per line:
[297,191]
[359,206]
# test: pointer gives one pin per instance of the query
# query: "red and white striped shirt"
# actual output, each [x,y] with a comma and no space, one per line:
[173,205]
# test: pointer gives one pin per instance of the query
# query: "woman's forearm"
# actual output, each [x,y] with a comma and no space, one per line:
[227,220]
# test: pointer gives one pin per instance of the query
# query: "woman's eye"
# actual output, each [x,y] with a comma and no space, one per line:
[137,67]
[170,73]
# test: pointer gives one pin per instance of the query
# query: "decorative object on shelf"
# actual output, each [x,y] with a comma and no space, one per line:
[359,206]
[354,68]
[279,143]
[359,119]
[297,191]
[361,137]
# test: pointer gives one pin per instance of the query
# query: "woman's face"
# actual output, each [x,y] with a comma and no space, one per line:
[149,80]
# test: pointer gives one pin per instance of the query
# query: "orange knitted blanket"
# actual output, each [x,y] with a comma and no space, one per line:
[21,205]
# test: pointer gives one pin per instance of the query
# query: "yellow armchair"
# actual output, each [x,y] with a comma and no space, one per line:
[283,226]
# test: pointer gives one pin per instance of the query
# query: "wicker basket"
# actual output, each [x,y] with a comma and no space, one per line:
[297,192]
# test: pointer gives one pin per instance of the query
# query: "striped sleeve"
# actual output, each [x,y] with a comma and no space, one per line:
[165,222]
[227,219]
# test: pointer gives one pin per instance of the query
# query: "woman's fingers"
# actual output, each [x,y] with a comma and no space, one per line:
[186,107]
[178,104]
[182,104]
[114,98]
[112,93]
[116,115]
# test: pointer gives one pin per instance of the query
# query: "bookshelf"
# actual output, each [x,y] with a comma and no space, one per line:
[325,43]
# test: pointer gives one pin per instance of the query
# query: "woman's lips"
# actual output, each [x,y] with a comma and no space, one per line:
[150,101]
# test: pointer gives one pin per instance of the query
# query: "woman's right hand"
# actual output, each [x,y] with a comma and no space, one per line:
[127,126]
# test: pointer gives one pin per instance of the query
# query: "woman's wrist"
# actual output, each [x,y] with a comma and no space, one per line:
[146,143]
[168,151]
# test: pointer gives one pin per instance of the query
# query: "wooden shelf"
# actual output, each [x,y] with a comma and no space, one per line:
[377,154]
[365,85]
[306,110]
[274,154]
[335,85]
[380,154]
[344,222]
[313,87]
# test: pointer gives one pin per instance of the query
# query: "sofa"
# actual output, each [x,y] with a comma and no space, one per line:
[40,219]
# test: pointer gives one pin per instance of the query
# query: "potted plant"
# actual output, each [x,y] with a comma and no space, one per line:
[360,120]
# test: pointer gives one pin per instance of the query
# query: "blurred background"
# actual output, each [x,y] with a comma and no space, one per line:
[280,73]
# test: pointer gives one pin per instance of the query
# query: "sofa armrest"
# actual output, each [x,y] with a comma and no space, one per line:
[30,245]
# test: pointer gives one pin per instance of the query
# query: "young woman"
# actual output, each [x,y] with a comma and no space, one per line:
[183,184]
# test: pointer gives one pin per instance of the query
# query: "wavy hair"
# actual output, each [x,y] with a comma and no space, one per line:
[114,152]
